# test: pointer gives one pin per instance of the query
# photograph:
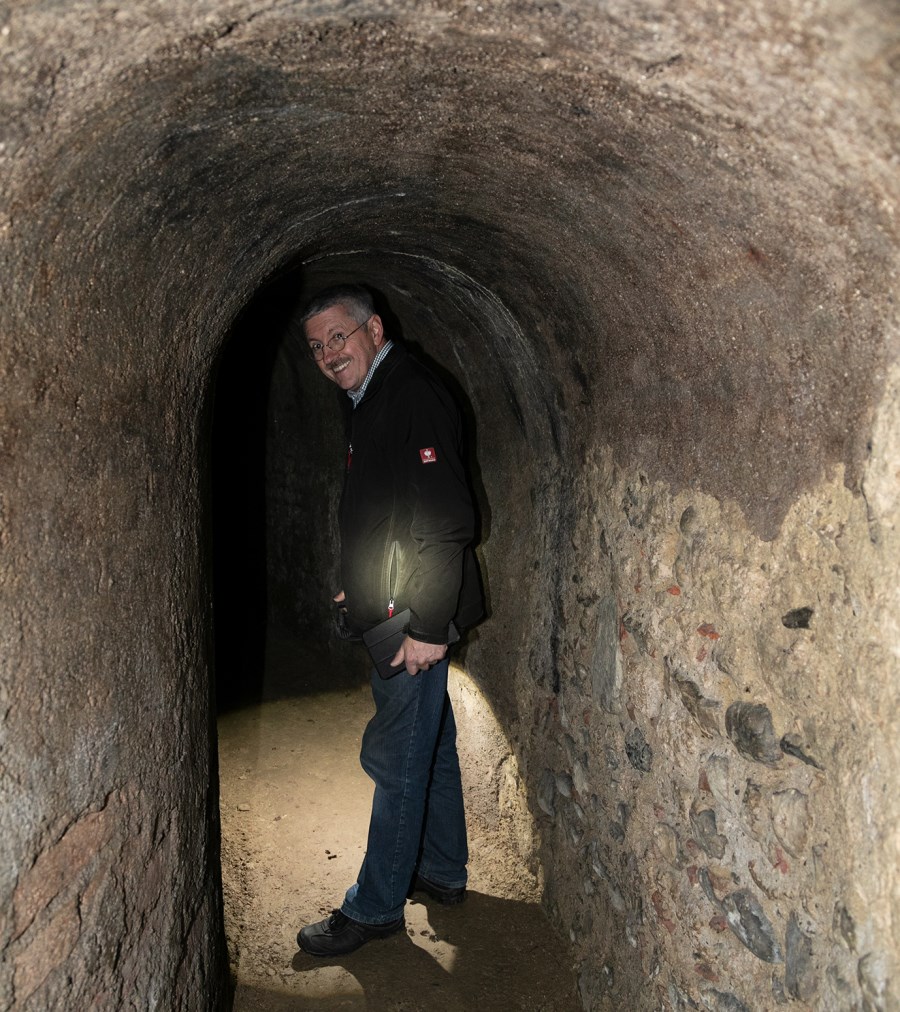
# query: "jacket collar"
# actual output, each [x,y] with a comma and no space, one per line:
[387,366]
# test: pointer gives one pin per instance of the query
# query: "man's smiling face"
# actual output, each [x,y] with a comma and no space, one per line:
[346,366]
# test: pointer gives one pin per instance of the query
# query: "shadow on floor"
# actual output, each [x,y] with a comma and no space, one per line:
[488,954]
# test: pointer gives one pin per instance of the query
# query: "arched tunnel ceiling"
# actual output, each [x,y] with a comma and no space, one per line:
[674,207]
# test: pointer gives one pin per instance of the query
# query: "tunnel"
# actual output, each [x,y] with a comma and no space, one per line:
[654,248]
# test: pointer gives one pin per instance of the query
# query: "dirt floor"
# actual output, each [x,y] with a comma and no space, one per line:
[295,806]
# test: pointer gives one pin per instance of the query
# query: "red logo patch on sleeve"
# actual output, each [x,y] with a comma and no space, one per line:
[428,455]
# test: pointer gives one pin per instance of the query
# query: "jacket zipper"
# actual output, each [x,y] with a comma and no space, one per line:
[390,580]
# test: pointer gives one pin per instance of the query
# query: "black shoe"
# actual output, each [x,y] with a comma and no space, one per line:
[339,934]
[448,895]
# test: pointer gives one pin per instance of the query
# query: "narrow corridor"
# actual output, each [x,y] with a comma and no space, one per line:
[295,807]
[654,249]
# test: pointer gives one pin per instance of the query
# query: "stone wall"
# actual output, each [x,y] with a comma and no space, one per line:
[655,248]
[718,757]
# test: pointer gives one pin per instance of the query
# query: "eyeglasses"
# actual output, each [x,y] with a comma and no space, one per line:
[336,342]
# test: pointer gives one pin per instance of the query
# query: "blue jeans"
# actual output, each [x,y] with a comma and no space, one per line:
[417,823]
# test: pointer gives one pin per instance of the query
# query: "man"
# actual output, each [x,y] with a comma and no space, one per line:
[406,523]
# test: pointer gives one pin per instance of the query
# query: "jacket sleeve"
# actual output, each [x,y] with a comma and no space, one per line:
[438,499]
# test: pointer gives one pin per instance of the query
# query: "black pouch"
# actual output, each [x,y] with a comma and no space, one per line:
[383,641]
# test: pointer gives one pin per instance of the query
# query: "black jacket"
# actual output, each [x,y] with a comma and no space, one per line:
[406,515]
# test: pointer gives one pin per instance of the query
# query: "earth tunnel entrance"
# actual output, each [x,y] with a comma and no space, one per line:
[701,200]
[292,702]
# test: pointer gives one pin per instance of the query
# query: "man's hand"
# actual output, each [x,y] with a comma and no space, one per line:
[340,626]
[418,656]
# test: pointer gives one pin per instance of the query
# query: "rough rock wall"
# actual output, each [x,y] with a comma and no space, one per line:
[109,819]
[722,749]
[657,247]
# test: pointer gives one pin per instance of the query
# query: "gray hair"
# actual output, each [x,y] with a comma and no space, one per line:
[354,298]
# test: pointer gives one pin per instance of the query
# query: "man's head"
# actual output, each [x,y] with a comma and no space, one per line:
[344,333]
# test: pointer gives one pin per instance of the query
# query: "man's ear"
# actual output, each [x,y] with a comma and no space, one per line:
[377,330]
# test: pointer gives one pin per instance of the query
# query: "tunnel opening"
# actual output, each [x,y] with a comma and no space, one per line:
[274,448]
[276,443]
[691,217]
[290,695]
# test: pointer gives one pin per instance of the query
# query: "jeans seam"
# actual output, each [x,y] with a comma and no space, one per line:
[416,730]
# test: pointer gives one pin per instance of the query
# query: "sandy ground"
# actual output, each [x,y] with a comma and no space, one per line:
[295,806]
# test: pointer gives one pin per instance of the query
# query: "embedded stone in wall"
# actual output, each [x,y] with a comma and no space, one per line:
[636,626]
[665,840]
[606,663]
[799,972]
[748,921]
[746,918]
[872,974]
[689,523]
[841,986]
[580,780]
[842,922]
[755,812]
[706,831]
[602,872]
[719,780]
[637,502]
[790,820]
[797,619]
[547,793]
[749,726]
[617,827]
[727,1002]
[639,753]
[564,784]
[792,745]
[703,710]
